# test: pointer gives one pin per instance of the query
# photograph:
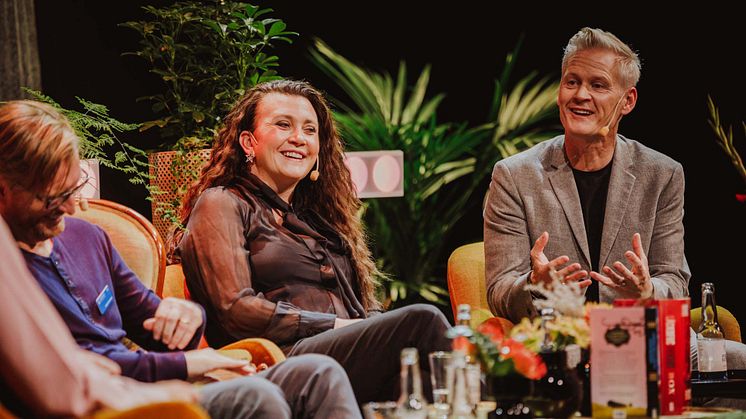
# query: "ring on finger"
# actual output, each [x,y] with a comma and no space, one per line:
[184,321]
[623,283]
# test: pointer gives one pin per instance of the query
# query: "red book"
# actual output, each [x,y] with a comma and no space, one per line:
[674,354]
[674,365]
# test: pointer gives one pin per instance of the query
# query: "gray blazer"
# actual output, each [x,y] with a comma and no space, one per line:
[534,191]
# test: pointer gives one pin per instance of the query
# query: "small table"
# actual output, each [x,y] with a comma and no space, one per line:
[734,388]
[701,412]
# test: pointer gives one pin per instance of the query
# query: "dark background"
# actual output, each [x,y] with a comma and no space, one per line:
[686,54]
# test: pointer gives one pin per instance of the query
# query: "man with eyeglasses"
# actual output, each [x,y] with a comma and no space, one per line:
[54,201]
[102,301]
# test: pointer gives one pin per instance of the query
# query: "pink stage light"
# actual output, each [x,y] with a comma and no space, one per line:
[386,174]
[358,171]
[377,174]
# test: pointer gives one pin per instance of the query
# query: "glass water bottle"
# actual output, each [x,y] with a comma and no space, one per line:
[461,344]
[462,330]
[461,406]
[710,339]
[411,404]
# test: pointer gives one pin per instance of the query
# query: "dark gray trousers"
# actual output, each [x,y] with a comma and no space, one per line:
[308,386]
[369,350]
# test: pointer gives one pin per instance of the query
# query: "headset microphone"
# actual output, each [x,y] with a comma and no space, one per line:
[605,129]
[315,172]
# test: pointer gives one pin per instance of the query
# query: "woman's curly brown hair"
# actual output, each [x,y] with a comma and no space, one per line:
[332,196]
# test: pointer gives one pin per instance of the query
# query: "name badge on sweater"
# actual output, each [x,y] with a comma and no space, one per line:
[104,300]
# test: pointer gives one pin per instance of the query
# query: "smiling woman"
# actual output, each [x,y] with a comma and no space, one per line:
[271,252]
[284,141]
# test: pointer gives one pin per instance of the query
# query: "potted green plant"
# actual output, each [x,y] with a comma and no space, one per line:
[207,54]
[445,164]
[98,132]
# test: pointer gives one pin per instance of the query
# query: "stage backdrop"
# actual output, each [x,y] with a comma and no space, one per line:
[686,55]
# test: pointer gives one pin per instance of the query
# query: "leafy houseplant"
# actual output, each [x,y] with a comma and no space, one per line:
[444,163]
[207,54]
[98,132]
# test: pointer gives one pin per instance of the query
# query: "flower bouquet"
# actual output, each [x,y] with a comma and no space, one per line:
[507,365]
[561,336]
[501,355]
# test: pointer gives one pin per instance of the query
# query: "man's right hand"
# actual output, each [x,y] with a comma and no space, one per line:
[201,361]
[542,266]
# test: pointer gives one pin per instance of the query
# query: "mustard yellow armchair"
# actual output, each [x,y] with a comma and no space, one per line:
[466,285]
[165,410]
[731,328]
[142,249]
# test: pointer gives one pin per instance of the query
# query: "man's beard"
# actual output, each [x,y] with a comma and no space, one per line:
[40,231]
[48,232]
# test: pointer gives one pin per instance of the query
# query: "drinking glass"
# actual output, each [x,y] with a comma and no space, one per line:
[441,377]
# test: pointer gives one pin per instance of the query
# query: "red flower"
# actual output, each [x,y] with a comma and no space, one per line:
[493,329]
[527,363]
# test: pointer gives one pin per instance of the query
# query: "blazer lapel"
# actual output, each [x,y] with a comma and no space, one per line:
[621,182]
[563,184]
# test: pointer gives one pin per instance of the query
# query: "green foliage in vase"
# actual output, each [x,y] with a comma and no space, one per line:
[207,53]
[446,164]
[97,133]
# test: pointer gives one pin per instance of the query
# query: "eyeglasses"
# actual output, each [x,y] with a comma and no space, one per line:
[51,202]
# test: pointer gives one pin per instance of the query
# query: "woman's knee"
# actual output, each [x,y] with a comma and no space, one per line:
[425,314]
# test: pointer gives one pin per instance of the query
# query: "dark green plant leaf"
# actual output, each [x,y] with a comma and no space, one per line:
[444,163]
[97,133]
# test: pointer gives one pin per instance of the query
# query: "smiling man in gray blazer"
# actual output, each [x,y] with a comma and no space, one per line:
[596,207]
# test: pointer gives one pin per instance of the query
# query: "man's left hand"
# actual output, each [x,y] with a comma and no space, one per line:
[175,322]
[630,283]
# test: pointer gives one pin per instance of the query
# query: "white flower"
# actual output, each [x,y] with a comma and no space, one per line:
[565,298]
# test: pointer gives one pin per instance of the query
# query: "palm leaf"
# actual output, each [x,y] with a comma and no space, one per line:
[444,163]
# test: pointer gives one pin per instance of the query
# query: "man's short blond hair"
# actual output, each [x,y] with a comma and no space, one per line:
[589,38]
[35,142]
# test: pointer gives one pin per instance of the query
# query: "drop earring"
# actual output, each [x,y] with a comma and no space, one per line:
[315,172]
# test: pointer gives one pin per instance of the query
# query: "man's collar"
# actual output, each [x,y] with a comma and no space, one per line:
[42,248]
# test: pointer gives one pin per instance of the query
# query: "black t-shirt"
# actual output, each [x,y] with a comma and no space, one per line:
[592,189]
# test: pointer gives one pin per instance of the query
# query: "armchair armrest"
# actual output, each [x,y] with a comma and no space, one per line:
[165,410]
[731,328]
[262,350]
